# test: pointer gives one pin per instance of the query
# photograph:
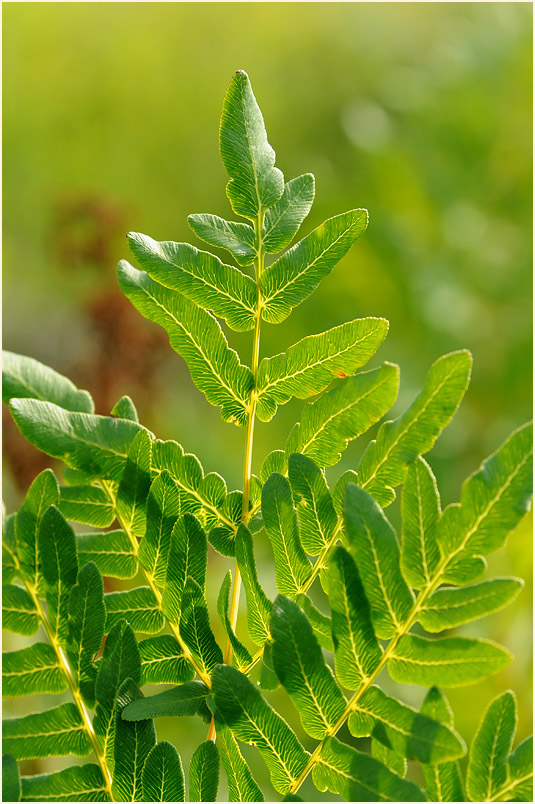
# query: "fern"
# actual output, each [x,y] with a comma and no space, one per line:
[383,597]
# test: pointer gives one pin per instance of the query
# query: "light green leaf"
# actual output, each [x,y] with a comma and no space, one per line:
[420,512]
[163,508]
[246,154]
[294,276]
[32,671]
[443,782]
[96,445]
[197,337]
[9,560]
[258,604]
[408,732]
[252,719]
[163,661]
[321,624]
[133,743]
[26,378]
[487,762]
[519,786]
[356,649]
[311,364]
[241,784]
[448,608]
[283,219]
[493,501]
[135,484]
[240,652]
[79,783]
[450,662]
[56,732]
[163,776]
[138,607]
[201,277]
[19,614]
[42,493]
[375,549]
[386,756]
[87,504]
[11,786]
[345,412]
[274,461]
[112,552]
[399,442]
[188,557]
[312,498]
[359,777]
[195,627]
[125,409]
[292,567]
[238,238]
[204,772]
[87,616]
[57,548]
[301,668]
[186,700]
[268,679]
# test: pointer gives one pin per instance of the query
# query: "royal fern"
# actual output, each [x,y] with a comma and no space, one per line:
[383,597]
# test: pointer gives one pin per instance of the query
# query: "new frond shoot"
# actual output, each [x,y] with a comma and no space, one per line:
[142,510]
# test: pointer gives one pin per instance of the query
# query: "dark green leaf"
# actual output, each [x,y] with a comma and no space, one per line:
[163,776]
[112,552]
[487,762]
[135,484]
[133,743]
[258,604]
[186,700]
[11,788]
[19,614]
[321,624]
[57,548]
[187,559]
[195,627]
[163,508]
[42,493]
[242,655]
[204,773]
[138,607]
[87,616]
[163,661]
[443,782]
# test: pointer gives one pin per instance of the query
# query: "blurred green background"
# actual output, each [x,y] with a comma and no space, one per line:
[419,112]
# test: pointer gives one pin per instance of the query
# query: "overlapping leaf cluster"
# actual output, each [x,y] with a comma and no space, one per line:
[374,594]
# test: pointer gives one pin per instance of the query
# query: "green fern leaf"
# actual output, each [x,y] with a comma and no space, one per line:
[359,777]
[241,654]
[11,786]
[294,276]
[356,649]
[491,746]
[204,772]
[301,668]
[95,445]
[56,732]
[186,700]
[133,743]
[124,408]
[258,604]
[238,238]
[135,484]
[57,548]
[450,662]
[195,627]
[311,364]
[374,546]
[163,776]
[345,412]
[403,729]
[112,552]
[386,756]
[443,782]
[384,463]
[42,493]
[89,505]
[283,219]
[519,786]
[312,498]
[241,784]
[10,564]
[188,557]
[163,661]
[19,614]
[79,783]
[493,501]
[163,508]
[87,617]
[138,607]
[251,719]
[32,671]
[292,567]
[201,277]
[420,512]
[321,624]
[448,608]
[249,159]
[197,337]
[26,378]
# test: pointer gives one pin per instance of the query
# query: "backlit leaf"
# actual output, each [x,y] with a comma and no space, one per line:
[87,504]
[32,671]
[19,614]
[187,559]
[487,762]
[112,552]
[163,508]
[258,604]
[79,783]
[56,732]
[135,484]
[26,378]
[163,776]
[87,616]
[195,627]
[315,510]
[241,654]
[283,219]
[204,772]
[448,608]
[443,782]
[163,661]
[420,507]
[133,743]
[42,493]
[238,238]
[138,607]
[241,784]
[57,548]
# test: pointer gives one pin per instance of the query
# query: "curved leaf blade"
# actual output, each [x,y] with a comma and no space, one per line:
[204,772]
[32,671]
[79,783]
[163,661]
[283,219]
[56,732]
[133,743]
[258,604]
[448,608]
[19,613]
[163,776]
[112,552]
[87,617]
[238,238]
[420,512]
[26,378]
[487,762]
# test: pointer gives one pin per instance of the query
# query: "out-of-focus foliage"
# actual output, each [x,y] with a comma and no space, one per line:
[419,112]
